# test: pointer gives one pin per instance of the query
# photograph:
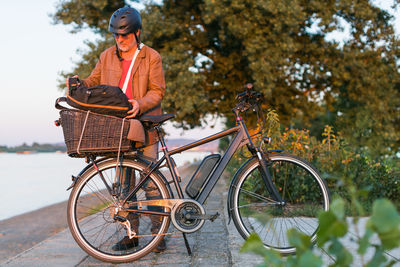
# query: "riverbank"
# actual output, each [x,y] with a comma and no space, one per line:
[22,232]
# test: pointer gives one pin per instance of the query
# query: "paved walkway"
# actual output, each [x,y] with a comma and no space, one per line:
[215,244]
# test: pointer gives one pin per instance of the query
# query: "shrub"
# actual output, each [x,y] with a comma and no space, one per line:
[384,222]
[334,159]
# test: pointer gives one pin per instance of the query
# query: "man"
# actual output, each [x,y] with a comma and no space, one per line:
[145,89]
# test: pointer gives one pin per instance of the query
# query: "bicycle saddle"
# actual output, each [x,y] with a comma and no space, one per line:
[156,119]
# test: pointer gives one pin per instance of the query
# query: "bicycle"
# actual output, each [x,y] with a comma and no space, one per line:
[269,194]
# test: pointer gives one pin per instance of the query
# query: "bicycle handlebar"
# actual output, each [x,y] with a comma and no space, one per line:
[248,99]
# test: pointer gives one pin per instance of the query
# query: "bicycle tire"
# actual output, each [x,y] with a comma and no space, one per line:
[302,189]
[90,218]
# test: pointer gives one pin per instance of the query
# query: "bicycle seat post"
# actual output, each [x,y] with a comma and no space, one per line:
[161,139]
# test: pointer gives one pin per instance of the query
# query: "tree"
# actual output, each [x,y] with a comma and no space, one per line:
[211,48]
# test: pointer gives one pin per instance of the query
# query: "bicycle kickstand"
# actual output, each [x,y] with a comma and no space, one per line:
[189,251]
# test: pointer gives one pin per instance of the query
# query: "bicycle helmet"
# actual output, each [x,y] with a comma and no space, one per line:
[126,20]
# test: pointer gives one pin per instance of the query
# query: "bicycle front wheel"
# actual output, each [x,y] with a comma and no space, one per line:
[254,211]
[92,213]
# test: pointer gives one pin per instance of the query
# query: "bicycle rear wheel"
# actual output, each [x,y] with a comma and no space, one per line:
[254,210]
[91,210]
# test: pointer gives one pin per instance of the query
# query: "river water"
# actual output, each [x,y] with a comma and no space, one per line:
[32,181]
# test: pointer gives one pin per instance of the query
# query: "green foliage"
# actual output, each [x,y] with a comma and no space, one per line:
[303,245]
[332,223]
[92,14]
[271,44]
[384,221]
[211,48]
[362,183]
[273,124]
[373,179]
[255,245]
[348,174]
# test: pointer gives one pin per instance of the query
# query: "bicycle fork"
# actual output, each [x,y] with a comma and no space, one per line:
[266,176]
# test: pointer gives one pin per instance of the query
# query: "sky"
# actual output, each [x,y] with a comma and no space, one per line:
[33,52]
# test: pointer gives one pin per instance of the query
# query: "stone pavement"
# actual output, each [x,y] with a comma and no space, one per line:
[215,244]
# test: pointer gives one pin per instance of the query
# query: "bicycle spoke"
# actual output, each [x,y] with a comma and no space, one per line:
[95,188]
[89,220]
[103,232]
[96,194]
[257,195]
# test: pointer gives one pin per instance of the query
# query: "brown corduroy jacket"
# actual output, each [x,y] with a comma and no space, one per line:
[148,84]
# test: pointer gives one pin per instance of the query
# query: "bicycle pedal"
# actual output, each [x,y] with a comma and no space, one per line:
[213,217]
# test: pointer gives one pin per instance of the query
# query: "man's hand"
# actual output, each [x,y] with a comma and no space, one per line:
[135,109]
[66,80]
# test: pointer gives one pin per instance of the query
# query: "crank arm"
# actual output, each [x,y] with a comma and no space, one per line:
[210,217]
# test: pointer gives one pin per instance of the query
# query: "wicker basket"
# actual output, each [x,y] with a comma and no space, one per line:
[87,133]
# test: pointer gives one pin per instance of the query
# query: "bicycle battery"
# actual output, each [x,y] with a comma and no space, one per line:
[201,174]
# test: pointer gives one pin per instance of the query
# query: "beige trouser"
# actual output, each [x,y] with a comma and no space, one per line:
[151,191]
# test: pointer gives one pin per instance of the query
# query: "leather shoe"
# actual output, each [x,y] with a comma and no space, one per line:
[125,243]
[162,246]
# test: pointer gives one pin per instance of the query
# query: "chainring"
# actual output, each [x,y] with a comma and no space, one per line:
[180,220]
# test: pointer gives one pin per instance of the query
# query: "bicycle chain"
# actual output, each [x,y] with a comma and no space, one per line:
[163,234]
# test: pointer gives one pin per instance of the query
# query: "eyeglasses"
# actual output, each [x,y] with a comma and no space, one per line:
[116,35]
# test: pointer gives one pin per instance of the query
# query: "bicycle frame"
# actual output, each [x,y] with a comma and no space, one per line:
[241,138]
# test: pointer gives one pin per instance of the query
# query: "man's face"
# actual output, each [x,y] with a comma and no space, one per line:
[125,42]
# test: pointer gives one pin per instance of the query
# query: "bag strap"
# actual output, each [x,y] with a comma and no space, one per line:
[128,75]
[58,106]
[83,130]
[119,149]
